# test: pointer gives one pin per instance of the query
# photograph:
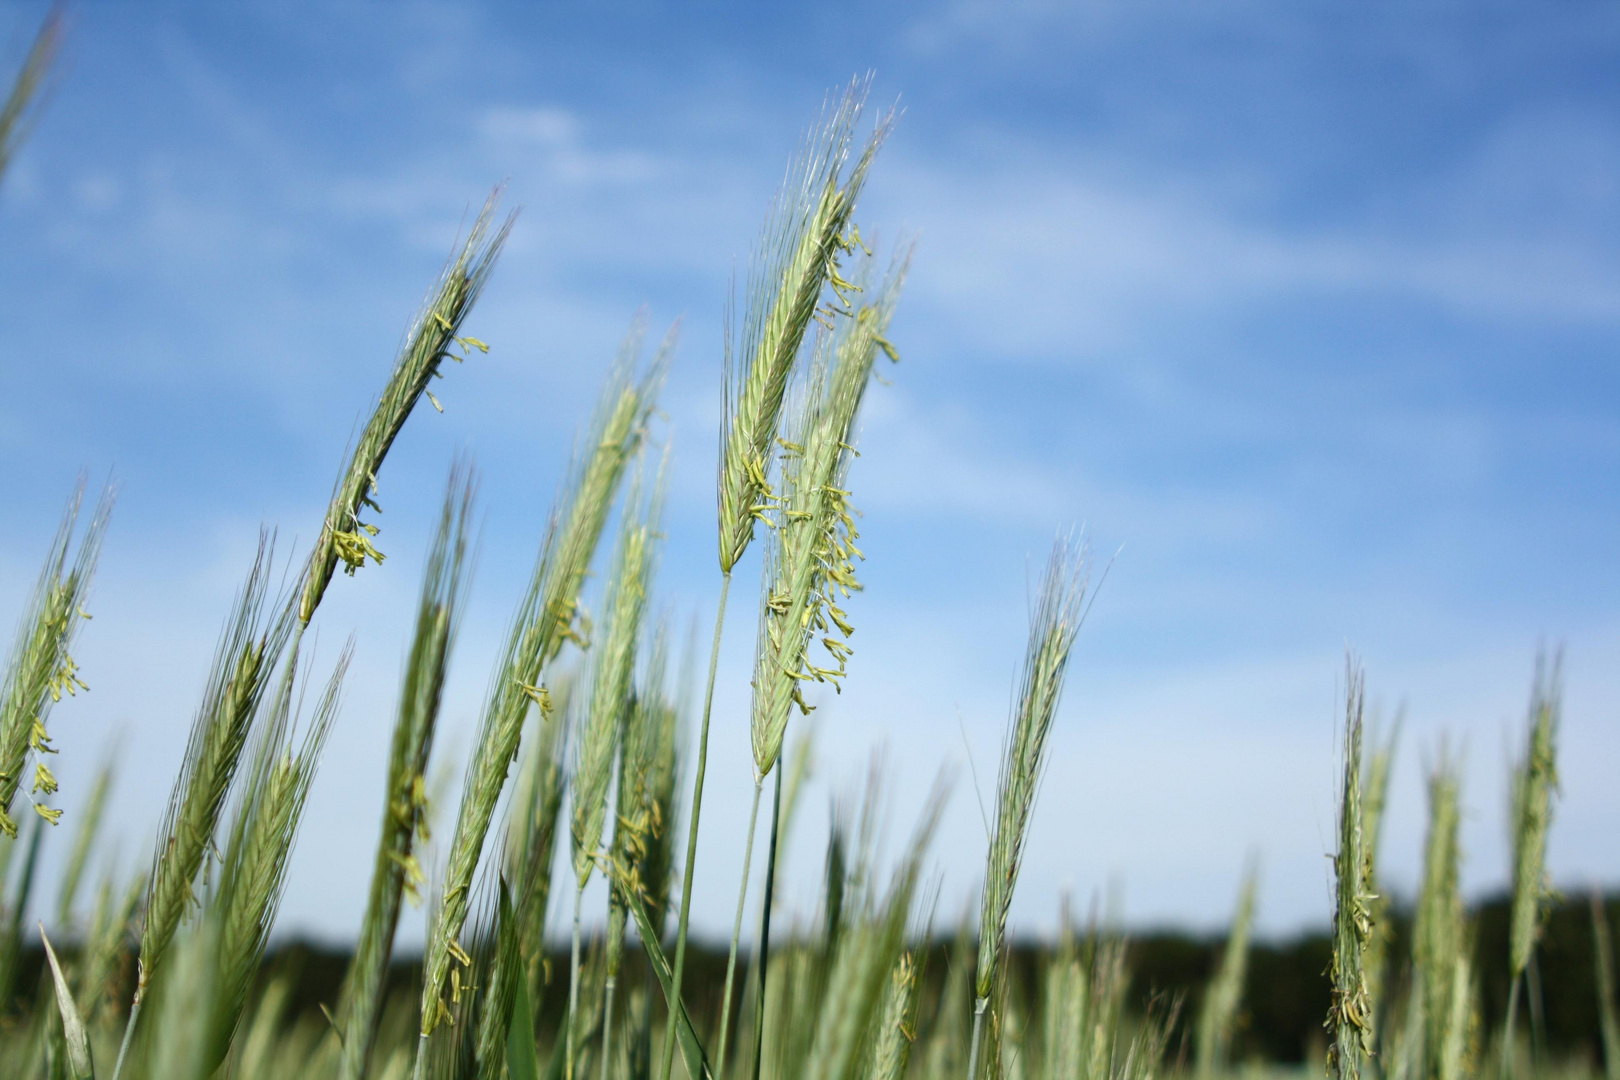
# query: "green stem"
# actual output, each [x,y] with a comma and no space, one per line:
[607,1024]
[691,840]
[573,986]
[129,1037]
[762,962]
[736,935]
[978,1026]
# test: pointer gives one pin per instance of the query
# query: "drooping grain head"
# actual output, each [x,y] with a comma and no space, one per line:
[41,669]
[433,337]
[810,563]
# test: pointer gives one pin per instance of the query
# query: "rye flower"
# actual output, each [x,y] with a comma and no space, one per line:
[41,669]
[433,337]
[547,617]
[796,263]
[248,652]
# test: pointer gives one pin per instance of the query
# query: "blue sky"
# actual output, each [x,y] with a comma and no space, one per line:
[1307,313]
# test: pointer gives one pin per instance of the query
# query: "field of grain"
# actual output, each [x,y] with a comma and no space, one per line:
[591,754]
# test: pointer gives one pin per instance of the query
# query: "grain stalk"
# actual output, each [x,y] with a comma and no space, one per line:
[612,706]
[810,564]
[253,868]
[808,230]
[1053,625]
[1438,930]
[434,336]
[1349,1014]
[640,853]
[397,870]
[41,668]
[547,617]
[1535,781]
[247,654]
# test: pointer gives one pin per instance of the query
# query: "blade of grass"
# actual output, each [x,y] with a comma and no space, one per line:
[78,1041]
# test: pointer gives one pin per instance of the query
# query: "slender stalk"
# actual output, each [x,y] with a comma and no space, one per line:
[573,985]
[978,1029]
[129,1034]
[736,932]
[607,1023]
[762,963]
[691,838]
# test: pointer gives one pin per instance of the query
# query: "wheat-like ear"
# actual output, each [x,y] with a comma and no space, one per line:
[808,231]
[41,669]
[1535,781]
[254,866]
[810,566]
[1053,626]
[612,706]
[434,335]
[247,655]
[1052,630]
[1438,929]
[21,104]
[404,823]
[547,617]
[1349,1021]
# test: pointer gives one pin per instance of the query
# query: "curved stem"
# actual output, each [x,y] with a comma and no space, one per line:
[736,936]
[762,962]
[691,840]
[129,1037]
